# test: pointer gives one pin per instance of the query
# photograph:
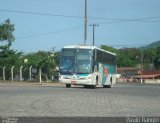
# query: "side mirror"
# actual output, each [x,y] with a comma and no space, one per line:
[57,68]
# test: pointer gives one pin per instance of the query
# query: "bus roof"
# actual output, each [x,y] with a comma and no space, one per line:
[80,47]
[86,47]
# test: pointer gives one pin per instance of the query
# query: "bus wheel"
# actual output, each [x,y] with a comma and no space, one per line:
[93,86]
[86,86]
[106,86]
[97,80]
[68,85]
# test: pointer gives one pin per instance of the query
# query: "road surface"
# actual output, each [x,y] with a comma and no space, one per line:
[57,101]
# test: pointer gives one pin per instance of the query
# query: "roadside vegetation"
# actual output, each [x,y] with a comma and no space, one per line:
[134,57]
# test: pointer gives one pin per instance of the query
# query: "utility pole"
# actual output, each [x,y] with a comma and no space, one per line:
[85,25]
[93,25]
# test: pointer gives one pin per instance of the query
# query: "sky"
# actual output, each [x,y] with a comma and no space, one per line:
[41,25]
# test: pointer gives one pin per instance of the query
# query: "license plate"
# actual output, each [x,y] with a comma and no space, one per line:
[73,82]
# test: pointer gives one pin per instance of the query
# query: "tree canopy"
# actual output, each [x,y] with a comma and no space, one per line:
[47,61]
[133,57]
[6,32]
[8,56]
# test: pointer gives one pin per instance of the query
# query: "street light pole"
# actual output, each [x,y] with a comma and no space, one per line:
[93,25]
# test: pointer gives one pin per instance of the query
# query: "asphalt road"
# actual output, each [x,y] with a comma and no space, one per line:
[58,101]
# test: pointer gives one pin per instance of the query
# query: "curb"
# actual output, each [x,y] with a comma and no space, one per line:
[30,84]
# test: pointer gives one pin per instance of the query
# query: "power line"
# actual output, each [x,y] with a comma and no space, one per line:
[147,19]
[117,20]
[37,13]
[122,21]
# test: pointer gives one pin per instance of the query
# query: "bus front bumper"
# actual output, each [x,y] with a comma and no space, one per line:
[76,81]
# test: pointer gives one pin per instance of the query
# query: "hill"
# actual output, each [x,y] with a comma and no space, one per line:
[154,44]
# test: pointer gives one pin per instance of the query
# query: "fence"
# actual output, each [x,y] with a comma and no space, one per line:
[24,73]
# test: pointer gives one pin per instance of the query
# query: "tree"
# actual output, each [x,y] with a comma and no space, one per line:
[128,57]
[157,59]
[6,33]
[9,58]
[44,60]
[107,48]
[151,56]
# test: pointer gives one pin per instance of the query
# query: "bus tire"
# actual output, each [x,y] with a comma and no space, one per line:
[85,86]
[93,86]
[108,86]
[104,86]
[97,80]
[68,85]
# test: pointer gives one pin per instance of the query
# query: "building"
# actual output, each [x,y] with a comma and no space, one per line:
[135,75]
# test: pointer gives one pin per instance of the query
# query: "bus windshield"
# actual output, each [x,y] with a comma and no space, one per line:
[76,61]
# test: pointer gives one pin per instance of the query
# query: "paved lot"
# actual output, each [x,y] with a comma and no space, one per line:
[121,100]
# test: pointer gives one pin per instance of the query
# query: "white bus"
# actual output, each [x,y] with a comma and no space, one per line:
[88,66]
